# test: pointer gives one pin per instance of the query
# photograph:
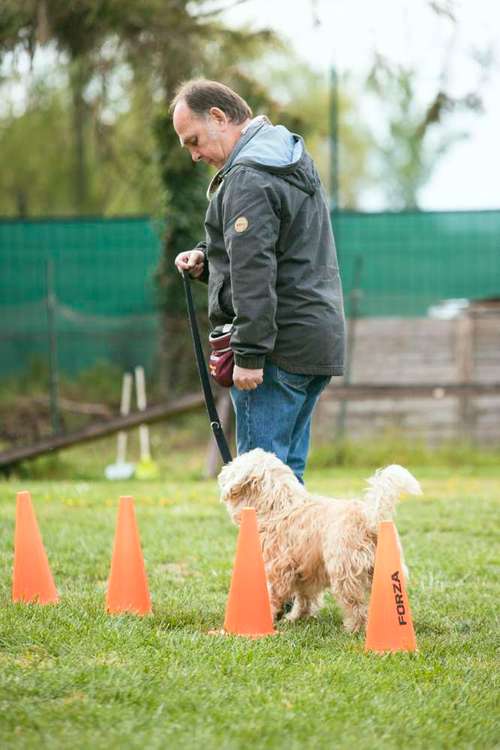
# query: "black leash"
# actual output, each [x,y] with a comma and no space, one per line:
[204,378]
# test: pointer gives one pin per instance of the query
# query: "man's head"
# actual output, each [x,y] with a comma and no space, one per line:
[208,117]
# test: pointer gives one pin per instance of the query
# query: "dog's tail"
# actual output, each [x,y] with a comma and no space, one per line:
[384,489]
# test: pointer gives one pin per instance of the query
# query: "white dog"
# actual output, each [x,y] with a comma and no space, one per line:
[312,543]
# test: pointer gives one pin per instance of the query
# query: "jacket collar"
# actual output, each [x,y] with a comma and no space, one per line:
[253,127]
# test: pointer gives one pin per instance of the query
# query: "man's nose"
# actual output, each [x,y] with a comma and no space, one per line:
[195,156]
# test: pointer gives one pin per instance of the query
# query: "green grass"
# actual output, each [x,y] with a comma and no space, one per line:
[73,677]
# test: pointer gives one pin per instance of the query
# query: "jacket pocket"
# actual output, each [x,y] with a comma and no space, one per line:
[225,298]
[214,288]
[219,298]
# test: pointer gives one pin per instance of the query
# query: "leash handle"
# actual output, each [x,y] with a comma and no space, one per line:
[215,423]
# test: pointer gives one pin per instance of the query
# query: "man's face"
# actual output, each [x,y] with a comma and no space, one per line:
[209,138]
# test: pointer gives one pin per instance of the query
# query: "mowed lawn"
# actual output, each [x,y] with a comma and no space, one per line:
[73,677]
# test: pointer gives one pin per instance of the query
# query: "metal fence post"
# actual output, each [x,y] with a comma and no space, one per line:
[334,141]
[353,315]
[52,336]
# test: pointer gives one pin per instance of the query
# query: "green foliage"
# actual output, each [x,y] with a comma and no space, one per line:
[121,158]
[185,184]
[98,384]
[36,176]
[303,103]
[410,149]
[123,155]
[394,447]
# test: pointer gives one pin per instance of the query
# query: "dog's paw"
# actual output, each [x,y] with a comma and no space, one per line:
[283,610]
[355,623]
[302,609]
[352,626]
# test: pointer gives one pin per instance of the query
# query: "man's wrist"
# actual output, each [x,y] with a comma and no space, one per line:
[250,362]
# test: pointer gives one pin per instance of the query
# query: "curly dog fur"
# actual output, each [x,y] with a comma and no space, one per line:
[311,543]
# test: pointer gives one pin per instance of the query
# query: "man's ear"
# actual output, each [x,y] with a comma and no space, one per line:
[218,116]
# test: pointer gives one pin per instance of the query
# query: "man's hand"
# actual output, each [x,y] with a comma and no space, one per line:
[191,261]
[247,380]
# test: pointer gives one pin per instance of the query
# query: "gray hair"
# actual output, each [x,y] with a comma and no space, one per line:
[201,94]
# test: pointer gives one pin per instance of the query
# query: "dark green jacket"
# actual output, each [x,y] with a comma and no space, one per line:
[271,263]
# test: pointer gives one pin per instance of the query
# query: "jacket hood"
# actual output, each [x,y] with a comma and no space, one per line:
[273,148]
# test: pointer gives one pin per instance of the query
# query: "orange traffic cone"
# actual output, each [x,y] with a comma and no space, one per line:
[389,626]
[248,610]
[32,580]
[128,585]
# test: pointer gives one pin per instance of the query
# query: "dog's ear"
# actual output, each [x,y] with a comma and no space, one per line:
[239,490]
[239,481]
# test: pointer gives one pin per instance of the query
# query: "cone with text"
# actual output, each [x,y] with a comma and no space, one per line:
[248,610]
[32,580]
[128,587]
[389,626]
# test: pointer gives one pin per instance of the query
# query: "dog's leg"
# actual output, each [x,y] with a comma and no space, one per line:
[354,610]
[304,606]
[355,616]
[301,608]
[317,604]
[351,594]
[277,597]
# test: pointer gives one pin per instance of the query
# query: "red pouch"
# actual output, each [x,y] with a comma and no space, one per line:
[221,360]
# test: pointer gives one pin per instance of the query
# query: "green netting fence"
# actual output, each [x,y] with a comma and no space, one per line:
[404,263]
[400,264]
[103,292]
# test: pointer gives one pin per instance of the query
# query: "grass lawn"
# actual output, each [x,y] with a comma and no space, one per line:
[73,677]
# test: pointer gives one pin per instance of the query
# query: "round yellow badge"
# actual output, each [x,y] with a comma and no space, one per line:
[241,224]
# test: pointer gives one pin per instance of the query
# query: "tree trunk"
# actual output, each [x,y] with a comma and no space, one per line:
[79,79]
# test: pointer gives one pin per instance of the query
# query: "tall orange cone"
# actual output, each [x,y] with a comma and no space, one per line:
[32,580]
[128,585]
[389,626]
[248,610]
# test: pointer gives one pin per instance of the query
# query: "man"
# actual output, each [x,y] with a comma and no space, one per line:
[271,266]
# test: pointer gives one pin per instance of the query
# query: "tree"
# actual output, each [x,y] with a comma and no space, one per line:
[157,44]
[161,43]
[34,179]
[305,98]
[121,154]
[412,145]
[78,28]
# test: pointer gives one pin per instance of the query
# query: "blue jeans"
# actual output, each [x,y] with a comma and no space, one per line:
[276,416]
